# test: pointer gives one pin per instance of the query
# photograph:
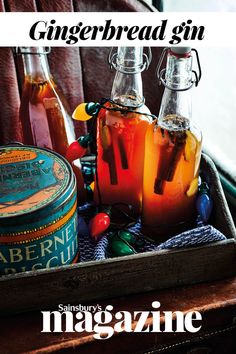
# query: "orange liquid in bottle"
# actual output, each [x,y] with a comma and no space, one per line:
[44,120]
[120,149]
[170,177]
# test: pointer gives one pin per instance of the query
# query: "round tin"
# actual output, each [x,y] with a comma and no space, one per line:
[38,215]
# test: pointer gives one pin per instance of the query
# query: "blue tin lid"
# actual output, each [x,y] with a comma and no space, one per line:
[32,179]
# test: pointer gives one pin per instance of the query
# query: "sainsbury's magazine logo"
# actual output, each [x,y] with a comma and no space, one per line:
[104,323]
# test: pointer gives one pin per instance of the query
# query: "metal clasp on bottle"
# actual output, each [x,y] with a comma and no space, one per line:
[112,61]
[161,72]
[19,51]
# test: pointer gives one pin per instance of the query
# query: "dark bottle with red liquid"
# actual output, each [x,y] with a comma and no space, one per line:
[45,121]
[43,114]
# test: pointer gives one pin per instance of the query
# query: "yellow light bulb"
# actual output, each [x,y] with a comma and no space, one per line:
[80,113]
[92,186]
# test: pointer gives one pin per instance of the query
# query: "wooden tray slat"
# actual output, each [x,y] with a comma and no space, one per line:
[119,276]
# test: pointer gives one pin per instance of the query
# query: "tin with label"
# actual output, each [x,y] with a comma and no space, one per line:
[38,214]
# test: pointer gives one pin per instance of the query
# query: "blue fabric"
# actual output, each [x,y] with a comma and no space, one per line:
[90,250]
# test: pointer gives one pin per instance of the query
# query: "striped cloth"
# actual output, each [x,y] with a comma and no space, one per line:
[91,250]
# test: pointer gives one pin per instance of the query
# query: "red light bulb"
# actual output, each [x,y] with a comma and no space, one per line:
[75,151]
[98,224]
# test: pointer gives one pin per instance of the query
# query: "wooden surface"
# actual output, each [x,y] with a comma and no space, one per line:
[215,300]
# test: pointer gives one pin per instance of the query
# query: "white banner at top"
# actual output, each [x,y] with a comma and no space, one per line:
[102,29]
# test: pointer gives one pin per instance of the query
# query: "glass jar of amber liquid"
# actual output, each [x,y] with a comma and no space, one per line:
[172,155]
[121,134]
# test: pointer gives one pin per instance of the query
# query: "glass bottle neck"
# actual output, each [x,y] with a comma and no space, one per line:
[176,106]
[179,71]
[35,64]
[176,110]
[127,87]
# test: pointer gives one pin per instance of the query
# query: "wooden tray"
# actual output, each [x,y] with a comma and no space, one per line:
[143,272]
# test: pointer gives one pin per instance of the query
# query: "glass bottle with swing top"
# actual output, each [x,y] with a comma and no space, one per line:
[172,152]
[121,132]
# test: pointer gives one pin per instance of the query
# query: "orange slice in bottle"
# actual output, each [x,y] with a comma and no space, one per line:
[192,188]
[190,146]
